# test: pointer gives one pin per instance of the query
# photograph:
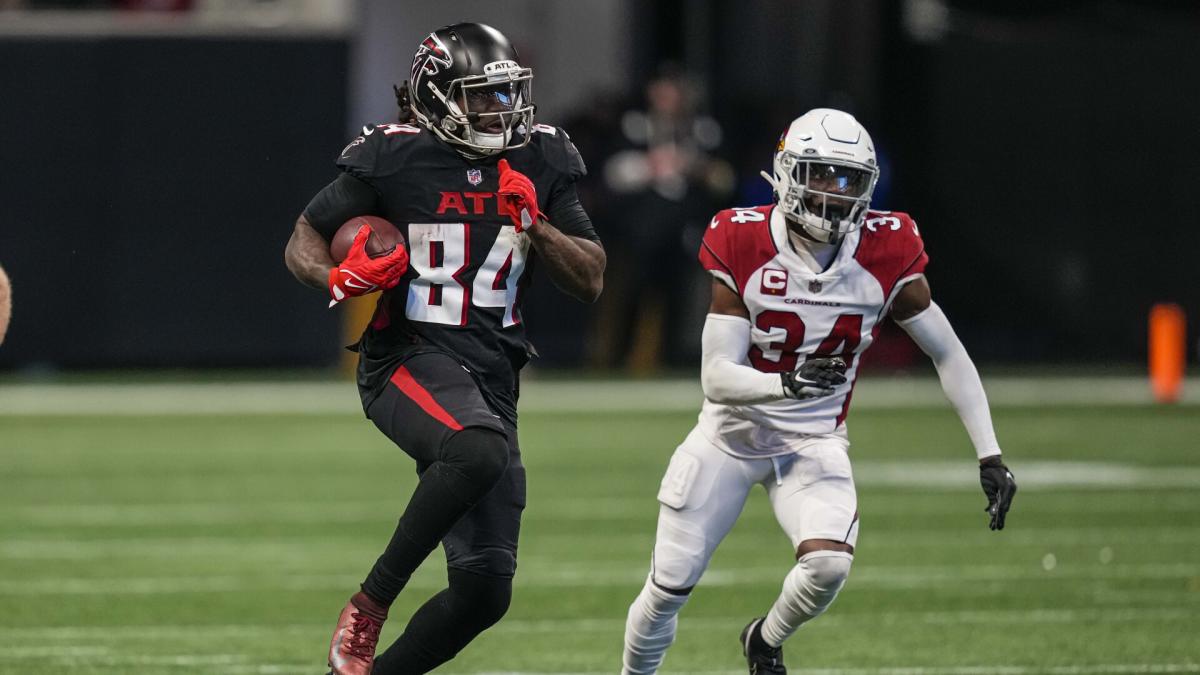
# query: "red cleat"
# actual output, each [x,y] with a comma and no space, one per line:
[352,651]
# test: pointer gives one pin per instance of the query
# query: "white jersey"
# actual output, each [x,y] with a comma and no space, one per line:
[797,313]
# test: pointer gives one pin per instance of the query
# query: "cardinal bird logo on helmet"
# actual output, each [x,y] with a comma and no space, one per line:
[431,57]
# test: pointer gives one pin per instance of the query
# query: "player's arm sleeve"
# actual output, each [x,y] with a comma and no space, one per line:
[724,375]
[341,200]
[932,332]
[566,214]
[563,209]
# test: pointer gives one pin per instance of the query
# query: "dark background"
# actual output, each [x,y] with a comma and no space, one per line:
[149,189]
[1048,151]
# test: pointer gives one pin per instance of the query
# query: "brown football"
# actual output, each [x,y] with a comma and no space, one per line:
[383,240]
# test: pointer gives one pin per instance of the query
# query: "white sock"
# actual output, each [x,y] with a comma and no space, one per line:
[808,590]
[650,629]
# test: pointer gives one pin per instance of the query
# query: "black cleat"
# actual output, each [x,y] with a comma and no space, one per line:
[762,658]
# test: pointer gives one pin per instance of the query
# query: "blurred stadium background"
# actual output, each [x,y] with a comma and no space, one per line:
[188,486]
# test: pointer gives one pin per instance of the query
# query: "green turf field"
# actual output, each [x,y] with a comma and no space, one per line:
[225,543]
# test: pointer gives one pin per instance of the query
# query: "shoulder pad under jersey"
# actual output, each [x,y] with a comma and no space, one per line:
[559,152]
[364,157]
[890,248]
[736,243]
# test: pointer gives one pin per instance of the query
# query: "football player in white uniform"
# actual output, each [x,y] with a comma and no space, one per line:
[800,289]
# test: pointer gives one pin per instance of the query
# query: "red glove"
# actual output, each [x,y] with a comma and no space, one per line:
[360,274]
[517,191]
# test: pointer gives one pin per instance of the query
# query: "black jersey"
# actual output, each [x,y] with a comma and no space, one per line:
[468,266]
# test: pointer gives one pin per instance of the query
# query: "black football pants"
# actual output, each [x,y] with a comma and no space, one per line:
[470,497]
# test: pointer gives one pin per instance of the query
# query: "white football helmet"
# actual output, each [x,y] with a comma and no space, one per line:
[824,173]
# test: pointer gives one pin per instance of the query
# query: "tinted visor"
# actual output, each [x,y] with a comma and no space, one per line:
[491,97]
[832,178]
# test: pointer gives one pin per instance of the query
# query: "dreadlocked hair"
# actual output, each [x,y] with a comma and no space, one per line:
[404,102]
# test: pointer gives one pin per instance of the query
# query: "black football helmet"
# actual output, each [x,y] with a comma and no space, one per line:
[468,88]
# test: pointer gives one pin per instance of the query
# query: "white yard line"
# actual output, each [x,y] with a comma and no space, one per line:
[1100,669]
[537,396]
[288,547]
[235,664]
[241,664]
[109,654]
[231,664]
[949,476]
[1034,475]
[940,476]
[733,624]
[599,576]
[41,650]
[108,635]
[116,634]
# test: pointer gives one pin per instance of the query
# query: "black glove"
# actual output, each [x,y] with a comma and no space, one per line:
[814,378]
[999,486]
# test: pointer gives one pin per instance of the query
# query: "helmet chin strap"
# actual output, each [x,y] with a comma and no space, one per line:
[488,144]
[820,234]
[770,179]
[816,227]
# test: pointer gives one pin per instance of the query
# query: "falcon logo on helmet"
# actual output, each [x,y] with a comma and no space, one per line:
[431,57]
[824,173]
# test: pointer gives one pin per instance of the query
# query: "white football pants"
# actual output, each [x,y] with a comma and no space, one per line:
[701,496]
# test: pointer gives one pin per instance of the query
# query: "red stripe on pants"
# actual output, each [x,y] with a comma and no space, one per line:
[405,382]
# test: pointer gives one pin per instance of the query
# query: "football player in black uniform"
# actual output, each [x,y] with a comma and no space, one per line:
[481,194]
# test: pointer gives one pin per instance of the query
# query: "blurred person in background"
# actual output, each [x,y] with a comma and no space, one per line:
[126,5]
[480,193]
[798,290]
[5,304]
[664,185]
[154,5]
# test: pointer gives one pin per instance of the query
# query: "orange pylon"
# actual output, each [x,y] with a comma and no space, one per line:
[1168,351]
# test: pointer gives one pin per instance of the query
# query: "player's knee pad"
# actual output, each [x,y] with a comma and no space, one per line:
[816,579]
[481,600]
[808,590]
[679,555]
[479,456]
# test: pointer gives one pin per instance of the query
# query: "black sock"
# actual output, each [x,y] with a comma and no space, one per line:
[758,642]
[446,623]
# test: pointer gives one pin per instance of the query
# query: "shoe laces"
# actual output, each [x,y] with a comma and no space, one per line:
[364,635]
